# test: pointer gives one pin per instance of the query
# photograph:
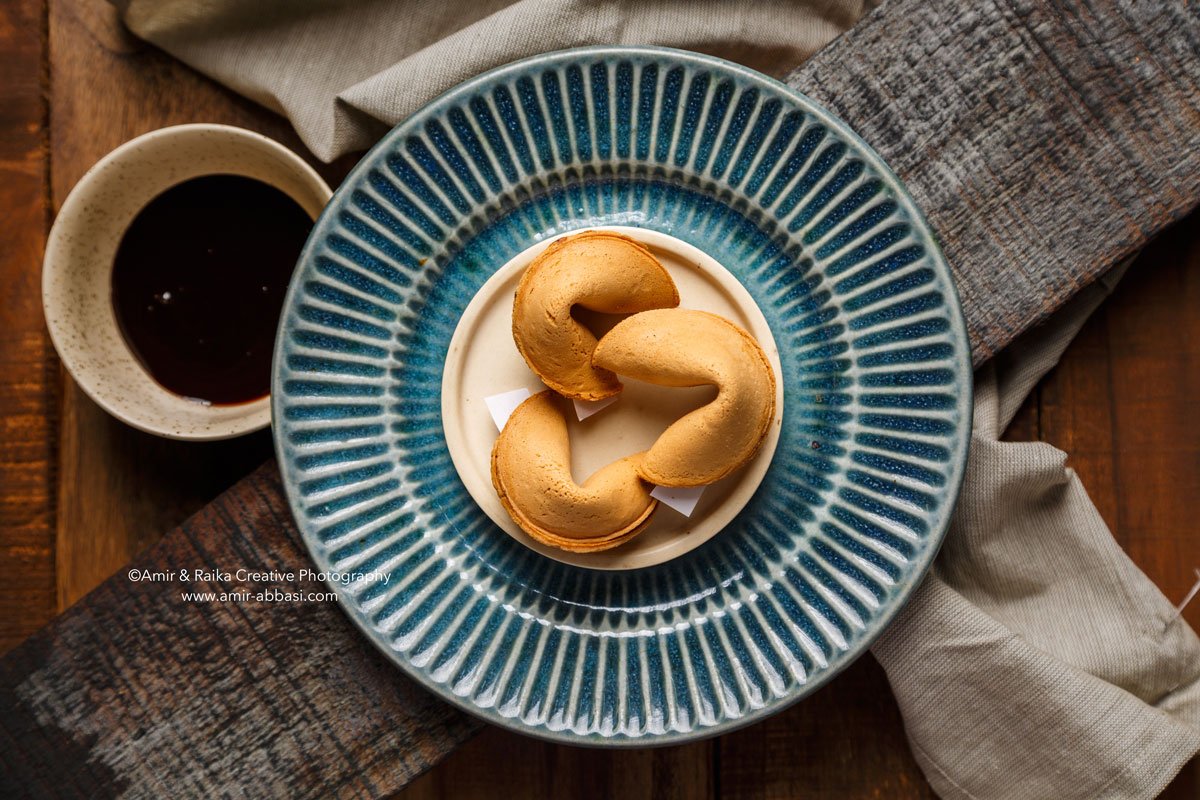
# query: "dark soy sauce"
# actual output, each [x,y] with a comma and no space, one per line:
[198,284]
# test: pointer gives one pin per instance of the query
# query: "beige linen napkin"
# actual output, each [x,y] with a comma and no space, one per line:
[1036,661]
[346,71]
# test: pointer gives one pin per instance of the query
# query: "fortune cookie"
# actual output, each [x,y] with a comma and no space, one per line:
[598,270]
[682,347]
[531,470]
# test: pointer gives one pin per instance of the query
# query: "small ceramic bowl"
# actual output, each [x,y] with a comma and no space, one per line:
[77,270]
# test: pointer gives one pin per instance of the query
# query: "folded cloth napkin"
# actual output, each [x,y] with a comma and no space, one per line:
[1035,661]
[346,71]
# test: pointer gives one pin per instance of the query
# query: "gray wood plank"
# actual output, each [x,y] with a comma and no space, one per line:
[1045,141]
[135,689]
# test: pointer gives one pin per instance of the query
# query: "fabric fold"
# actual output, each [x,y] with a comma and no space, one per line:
[345,71]
[1036,660]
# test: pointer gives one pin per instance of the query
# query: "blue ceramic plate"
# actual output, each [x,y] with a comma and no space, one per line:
[876,378]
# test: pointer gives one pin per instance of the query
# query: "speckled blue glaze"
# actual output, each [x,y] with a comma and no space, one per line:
[876,377]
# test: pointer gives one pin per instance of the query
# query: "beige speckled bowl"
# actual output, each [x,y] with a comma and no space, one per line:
[77,270]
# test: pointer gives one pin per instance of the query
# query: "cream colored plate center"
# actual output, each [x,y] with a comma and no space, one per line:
[483,361]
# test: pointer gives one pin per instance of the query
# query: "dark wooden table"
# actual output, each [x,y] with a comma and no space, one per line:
[79,491]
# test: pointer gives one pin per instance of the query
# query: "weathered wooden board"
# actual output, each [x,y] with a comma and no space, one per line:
[173,698]
[1044,141]
[255,685]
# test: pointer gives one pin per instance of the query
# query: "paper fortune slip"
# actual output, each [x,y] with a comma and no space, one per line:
[681,498]
[501,406]
[586,408]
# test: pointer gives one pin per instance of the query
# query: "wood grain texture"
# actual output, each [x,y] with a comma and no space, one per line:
[92,696]
[1125,403]
[28,369]
[847,740]
[499,763]
[137,689]
[119,489]
[1030,134]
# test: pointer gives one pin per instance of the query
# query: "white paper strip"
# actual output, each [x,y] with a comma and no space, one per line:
[501,406]
[682,499]
[585,408]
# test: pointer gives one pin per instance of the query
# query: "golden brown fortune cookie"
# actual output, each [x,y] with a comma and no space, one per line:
[531,470]
[598,270]
[683,347]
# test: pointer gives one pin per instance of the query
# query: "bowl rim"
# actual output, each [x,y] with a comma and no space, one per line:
[257,414]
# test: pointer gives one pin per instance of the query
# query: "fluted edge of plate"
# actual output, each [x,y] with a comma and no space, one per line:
[877,394]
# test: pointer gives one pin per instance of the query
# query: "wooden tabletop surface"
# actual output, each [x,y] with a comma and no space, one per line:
[78,490]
